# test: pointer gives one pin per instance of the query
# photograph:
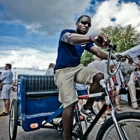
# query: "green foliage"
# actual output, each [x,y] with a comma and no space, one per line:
[124,37]
[87,57]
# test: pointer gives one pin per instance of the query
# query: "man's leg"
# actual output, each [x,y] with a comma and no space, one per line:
[95,87]
[67,118]
[7,105]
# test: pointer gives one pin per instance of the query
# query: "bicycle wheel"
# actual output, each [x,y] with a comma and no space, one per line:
[13,120]
[129,124]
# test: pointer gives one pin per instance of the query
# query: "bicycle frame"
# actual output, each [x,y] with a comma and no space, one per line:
[103,83]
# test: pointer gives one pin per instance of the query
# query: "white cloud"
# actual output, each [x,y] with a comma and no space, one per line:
[51,16]
[44,15]
[125,13]
[38,16]
[28,59]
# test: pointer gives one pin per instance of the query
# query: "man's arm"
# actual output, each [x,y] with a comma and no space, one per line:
[103,54]
[4,75]
[75,39]
[100,53]
[130,60]
[134,78]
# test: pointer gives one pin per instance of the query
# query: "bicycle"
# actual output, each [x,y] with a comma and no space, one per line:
[119,123]
[33,109]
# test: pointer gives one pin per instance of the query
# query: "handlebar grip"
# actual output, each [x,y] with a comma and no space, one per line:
[100,40]
[112,46]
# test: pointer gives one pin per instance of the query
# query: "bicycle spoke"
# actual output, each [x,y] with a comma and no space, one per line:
[130,131]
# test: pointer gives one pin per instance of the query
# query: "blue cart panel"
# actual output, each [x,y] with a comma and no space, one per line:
[37,99]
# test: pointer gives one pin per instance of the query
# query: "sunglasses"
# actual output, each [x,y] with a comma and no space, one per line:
[85,22]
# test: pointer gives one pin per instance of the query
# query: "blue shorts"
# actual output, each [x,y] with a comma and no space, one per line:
[99,99]
[82,92]
[5,93]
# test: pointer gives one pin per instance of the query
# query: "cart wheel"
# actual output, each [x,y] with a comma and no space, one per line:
[13,120]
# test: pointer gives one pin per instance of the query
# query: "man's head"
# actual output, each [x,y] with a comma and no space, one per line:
[83,24]
[8,66]
[51,65]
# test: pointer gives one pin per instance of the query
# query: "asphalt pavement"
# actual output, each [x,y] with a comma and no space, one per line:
[43,133]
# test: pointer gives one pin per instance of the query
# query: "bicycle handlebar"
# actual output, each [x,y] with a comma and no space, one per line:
[117,58]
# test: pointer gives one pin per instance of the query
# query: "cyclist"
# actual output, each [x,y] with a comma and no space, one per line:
[68,69]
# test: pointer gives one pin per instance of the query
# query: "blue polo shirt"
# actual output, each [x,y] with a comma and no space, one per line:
[69,55]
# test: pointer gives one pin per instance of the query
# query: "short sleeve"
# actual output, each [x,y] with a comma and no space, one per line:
[89,45]
[4,75]
[65,31]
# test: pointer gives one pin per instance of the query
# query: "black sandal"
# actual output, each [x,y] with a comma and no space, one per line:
[4,114]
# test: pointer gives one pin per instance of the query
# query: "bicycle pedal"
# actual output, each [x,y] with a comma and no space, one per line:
[89,119]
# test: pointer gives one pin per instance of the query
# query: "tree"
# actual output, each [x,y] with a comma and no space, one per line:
[124,37]
[87,57]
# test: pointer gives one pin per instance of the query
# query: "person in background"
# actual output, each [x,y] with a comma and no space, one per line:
[132,90]
[124,90]
[6,79]
[137,83]
[118,80]
[138,60]
[0,84]
[137,74]
[50,70]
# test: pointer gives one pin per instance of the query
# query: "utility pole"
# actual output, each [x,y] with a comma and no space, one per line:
[15,76]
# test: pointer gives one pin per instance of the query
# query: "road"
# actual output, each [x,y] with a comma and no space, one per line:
[43,133]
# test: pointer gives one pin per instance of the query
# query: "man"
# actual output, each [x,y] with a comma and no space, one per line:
[68,70]
[6,80]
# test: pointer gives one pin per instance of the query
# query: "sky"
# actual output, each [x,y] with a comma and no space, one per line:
[30,29]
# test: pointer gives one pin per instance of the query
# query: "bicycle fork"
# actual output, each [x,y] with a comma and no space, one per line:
[120,130]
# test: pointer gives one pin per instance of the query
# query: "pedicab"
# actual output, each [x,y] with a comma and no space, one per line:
[36,105]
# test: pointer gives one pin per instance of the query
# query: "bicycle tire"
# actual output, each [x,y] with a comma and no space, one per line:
[13,120]
[130,121]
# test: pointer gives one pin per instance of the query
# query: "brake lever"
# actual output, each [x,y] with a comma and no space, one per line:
[112,47]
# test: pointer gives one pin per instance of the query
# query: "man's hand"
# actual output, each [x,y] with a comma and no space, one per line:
[130,60]
[100,40]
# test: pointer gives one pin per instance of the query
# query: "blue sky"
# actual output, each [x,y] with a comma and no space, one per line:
[29,30]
